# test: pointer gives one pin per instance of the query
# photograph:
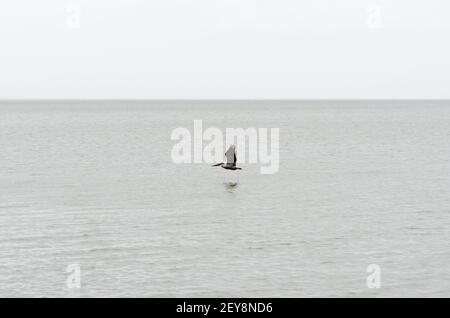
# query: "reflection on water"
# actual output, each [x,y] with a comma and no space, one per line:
[231,186]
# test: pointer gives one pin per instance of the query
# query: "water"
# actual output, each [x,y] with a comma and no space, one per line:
[93,184]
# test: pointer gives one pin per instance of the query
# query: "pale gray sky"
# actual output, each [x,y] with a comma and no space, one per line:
[224,49]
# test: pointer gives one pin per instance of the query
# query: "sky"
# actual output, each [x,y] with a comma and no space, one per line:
[225,49]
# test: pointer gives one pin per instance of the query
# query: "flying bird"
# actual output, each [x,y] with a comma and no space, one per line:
[231,159]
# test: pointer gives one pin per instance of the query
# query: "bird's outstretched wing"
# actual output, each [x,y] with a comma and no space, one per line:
[231,155]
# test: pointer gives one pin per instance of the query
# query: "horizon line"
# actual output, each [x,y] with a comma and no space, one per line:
[31,100]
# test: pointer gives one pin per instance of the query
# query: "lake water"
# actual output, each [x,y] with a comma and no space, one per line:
[93,184]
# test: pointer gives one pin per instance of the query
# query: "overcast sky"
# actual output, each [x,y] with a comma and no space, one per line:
[201,49]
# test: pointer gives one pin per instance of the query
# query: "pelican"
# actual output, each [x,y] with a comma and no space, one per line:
[231,159]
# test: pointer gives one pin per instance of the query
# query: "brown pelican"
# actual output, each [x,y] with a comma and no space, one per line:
[231,159]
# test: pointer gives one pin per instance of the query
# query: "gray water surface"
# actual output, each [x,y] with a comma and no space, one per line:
[93,184]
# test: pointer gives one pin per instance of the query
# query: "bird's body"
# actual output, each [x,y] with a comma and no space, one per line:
[230,167]
[231,159]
